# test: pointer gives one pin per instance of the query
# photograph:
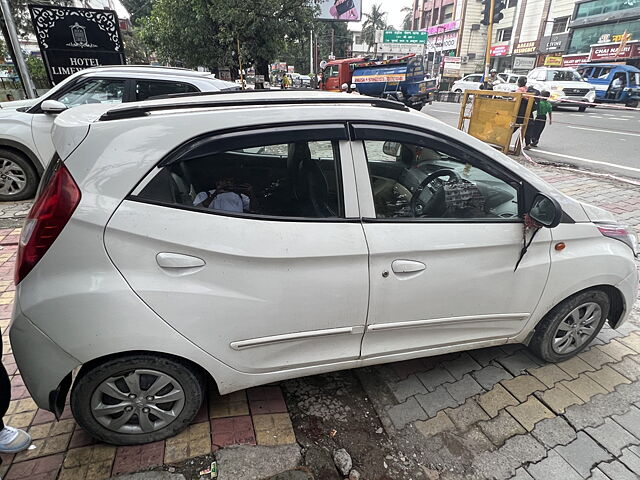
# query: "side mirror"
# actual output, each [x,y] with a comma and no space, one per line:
[545,211]
[52,107]
[391,148]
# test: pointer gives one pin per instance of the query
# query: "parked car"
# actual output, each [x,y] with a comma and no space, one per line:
[306,81]
[469,82]
[185,239]
[565,85]
[614,82]
[509,82]
[25,125]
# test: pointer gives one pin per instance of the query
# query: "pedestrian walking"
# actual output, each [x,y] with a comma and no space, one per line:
[12,440]
[537,126]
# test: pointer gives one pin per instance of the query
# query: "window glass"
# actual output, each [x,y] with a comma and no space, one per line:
[147,89]
[332,71]
[563,76]
[512,3]
[411,181]
[94,91]
[560,25]
[286,180]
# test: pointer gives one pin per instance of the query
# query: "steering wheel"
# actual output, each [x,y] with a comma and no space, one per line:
[431,206]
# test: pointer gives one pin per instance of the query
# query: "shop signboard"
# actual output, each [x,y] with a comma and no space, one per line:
[525,47]
[615,51]
[452,66]
[499,50]
[72,39]
[404,36]
[340,10]
[524,63]
[554,43]
[574,60]
[444,27]
[553,61]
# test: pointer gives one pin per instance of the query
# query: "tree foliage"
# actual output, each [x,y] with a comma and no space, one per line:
[374,20]
[21,12]
[138,9]
[407,21]
[206,32]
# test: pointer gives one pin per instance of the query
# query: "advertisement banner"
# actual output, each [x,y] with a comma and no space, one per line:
[525,47]
[404,36]
[524,63]
[499,50]
[443,42]
[340,10]
[72,39]
[443,27]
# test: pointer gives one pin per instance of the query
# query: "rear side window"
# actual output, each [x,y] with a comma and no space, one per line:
[146,89]
[295,179]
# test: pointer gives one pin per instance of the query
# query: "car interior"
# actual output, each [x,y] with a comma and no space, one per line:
[301,179]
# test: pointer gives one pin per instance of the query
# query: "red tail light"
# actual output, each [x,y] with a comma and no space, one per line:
[48,216]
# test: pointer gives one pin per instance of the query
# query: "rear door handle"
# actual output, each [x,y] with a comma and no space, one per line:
[407,266]
[178,260]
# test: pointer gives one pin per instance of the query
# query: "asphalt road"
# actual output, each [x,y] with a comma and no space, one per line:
[600,139]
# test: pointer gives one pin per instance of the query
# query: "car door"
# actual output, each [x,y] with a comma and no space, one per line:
[250,245]
[444,230]
[92,90]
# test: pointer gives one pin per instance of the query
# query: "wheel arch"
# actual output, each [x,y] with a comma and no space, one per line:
[21,149]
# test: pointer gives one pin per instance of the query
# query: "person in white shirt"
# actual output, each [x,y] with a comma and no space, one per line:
[223,198]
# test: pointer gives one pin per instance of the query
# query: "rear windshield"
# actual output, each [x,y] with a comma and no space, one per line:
[563,76]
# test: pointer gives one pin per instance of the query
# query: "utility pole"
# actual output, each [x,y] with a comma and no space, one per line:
[332,37]
[311,66]
[487,57]
[240,65]
[16,52]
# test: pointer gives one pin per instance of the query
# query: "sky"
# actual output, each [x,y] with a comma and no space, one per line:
[392,7]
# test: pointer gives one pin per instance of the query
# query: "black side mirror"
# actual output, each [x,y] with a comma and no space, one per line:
[545,211]
[391,148]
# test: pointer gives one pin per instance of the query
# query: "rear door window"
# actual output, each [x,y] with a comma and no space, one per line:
[148,88]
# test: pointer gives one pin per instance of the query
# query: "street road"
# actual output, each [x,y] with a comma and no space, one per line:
[600,139]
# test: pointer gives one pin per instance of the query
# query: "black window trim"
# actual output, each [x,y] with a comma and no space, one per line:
[134,85]
[379,131]
[296,129]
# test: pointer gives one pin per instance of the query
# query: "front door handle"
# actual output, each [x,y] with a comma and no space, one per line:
[178,260]
[407,266]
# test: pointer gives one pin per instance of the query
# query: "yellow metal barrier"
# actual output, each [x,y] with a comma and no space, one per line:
[493,117]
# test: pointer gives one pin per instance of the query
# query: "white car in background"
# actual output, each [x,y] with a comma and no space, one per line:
[470,82]
[565,85]
[25,125]
[509,82]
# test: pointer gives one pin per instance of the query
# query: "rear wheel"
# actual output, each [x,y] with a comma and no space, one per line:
[632,103]
[582,108]
[136,399]
[570,326]
[457,90]
[18,178]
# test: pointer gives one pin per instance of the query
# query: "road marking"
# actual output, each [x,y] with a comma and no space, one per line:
[442,111]
[604,131]
[586,160]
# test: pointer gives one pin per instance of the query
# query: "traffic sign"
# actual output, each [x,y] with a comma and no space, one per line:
[404,36]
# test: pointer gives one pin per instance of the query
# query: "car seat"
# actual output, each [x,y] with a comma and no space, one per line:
[308,183]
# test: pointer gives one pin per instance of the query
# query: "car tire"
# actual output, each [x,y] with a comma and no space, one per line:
[18,178]
[547,341]
[102,388]
[632,104]
[457,90]
[582,108]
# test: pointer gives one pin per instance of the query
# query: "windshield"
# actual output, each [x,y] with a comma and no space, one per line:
[564,76]
[635,79]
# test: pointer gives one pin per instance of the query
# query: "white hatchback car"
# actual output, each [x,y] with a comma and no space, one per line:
[25,125]
[251,238]
[470,82]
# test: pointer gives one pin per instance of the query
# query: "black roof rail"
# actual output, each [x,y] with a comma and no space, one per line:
[224,91]
[143,110]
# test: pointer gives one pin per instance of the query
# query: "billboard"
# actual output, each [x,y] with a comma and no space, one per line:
[340,10]
[72,39]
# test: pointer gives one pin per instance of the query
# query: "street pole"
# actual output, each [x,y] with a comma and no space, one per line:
[311,69]
[332,33]
[18,59]
[487,57]
[240,65]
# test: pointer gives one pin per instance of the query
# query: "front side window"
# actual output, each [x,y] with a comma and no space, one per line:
[410,181]
[94,91]
[297,179]
[147,88]
[563,76]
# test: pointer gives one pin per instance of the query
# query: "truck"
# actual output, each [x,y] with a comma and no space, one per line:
[402,79]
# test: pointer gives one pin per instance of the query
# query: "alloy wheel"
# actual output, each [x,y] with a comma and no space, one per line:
[138,401]
[13,179]
[576,328]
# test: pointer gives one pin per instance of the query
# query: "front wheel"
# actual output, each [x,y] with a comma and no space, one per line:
[582,108]
[457,90]
[18,178]
[136,399]
[570,326]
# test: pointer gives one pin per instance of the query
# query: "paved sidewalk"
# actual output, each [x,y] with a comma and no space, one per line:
[491,413]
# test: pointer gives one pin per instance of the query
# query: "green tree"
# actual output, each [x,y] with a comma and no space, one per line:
[138,9]
[374,20]
[38,71]
[407,21]
[135,49]
[21,12]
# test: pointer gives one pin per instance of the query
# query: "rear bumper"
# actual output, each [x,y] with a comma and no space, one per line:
[42,363]
[629,289]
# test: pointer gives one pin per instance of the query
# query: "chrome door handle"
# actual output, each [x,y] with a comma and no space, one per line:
[407,266]
[178,260]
